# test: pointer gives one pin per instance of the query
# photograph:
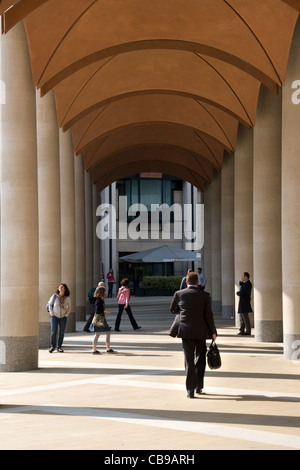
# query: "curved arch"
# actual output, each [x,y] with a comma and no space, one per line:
[167,135]
[174,72]
[163,109]
[179,171]
[236,35]
[157,153]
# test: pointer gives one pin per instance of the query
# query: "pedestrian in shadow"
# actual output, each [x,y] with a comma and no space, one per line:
[245,304]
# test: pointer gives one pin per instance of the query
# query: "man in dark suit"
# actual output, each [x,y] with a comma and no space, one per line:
[245,304]
[195,326]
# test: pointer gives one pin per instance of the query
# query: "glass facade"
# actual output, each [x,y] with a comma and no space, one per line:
[147,190]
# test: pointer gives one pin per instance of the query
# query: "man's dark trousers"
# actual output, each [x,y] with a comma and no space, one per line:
[195,362]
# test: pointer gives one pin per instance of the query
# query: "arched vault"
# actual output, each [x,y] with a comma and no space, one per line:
[155,86]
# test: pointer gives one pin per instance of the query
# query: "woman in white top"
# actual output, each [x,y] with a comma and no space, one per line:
[59,308]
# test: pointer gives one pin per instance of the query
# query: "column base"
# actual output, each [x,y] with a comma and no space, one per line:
[216,306]
[71,323]
[80,313]
[18,354]
[44,334]
[228,312]
[291,345]
[269,331]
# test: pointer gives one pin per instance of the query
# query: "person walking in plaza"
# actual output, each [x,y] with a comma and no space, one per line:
[92,301]
[183,283]
[99,295]
[59,309]
[111,281]
[201,279]
[123,302]
[196,324]
[244,307]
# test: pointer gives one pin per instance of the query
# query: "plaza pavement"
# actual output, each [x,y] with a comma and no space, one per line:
[135,399]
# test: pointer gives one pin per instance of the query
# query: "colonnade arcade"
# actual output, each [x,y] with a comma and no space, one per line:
[49,197]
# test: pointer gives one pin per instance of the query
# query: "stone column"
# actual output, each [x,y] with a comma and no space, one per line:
[19,320]
[97,274]
[207,237]
[290,203]
[67,209]
[108,246]
[89,239]
[216,291]
[267,218]
[243,210]
[227,236]
[49,209]
[81,293]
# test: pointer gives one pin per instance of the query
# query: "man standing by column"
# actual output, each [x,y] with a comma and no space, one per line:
[195,326]
[245,304]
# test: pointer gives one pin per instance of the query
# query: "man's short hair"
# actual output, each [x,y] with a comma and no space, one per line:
[247,274]
[192,278]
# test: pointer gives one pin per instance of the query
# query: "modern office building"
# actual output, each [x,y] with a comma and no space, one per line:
[95,96]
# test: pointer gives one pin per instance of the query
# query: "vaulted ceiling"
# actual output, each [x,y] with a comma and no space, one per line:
[155,85]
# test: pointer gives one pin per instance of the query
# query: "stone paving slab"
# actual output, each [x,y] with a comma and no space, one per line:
[136,400]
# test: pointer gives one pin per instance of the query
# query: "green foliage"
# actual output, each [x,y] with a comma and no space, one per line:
[161,282]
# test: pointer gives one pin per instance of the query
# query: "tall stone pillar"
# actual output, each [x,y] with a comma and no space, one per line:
[89,239]
[81,294]
[243,209]
[267,218]
[19,321]
[227,236]
[97,274]
[49,209]
[67,210]
[207,237]
[108,246]
[216,290]
[290,202]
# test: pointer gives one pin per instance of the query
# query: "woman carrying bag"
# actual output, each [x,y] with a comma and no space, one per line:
[101,311]
[59,309]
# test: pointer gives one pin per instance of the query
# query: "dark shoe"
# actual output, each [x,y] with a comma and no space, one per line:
[60,350]
[110,351]
[117,329]
[137,328]
[51,350]
[190,394]
[198,390]
[86,330]
[240,333]
[96,352]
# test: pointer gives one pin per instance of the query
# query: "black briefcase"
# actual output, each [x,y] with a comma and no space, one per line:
[173,331]
[213,356]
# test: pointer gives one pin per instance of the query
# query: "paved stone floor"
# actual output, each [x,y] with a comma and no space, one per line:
[136,399]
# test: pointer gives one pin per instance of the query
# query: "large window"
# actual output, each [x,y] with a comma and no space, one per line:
[149,191]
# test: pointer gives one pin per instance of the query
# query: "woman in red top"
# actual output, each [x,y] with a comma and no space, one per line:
[111,281]
[123,301]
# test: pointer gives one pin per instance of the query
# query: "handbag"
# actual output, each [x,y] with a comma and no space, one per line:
[213,356]
[173,331]
[48,303]
[98,320]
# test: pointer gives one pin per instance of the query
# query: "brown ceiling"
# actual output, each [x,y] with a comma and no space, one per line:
[155,86]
